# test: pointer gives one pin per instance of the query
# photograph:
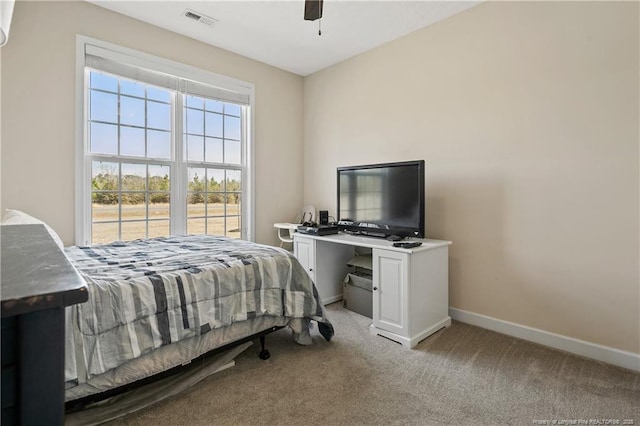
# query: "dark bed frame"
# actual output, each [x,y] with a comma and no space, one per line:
[81,403]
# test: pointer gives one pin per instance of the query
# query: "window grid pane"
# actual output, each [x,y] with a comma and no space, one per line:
[126,198]
[129,125]
[214,194]
[126,117]
[129,119]
[213,136]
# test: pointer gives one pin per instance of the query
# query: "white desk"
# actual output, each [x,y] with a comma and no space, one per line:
[290,229]
[410,286]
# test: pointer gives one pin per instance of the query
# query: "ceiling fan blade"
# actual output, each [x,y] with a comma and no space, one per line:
[312,10]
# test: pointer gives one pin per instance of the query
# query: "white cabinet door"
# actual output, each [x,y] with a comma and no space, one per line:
[305,251]
[390,291]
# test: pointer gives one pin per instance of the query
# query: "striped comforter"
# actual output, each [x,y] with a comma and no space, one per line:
[150,293]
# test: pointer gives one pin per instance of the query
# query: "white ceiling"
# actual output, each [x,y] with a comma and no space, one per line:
[274,32]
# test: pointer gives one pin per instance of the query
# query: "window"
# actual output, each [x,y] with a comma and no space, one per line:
[213,131]
[160,153]
[129,131]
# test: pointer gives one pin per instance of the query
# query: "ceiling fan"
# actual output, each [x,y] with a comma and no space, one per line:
[313,11]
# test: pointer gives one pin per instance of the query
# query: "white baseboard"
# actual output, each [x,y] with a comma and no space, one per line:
[606,354]
[332,299]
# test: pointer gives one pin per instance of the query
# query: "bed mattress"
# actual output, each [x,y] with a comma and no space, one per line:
[149,294]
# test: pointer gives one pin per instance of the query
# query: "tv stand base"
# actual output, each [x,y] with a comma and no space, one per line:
[413,341]
[377,235]
[410,286]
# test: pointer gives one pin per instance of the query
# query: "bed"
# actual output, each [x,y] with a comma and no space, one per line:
[156,304]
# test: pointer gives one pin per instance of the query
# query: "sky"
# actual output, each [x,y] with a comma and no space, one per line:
[213,128]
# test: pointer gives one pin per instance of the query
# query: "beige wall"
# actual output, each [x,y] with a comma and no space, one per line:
[527,117]
[38,89]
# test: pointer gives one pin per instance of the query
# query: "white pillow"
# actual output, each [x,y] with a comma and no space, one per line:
[17,217]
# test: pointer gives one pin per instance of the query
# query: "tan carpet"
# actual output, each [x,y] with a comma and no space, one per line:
[460,375]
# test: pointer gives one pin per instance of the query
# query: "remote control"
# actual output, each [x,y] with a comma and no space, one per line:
[408,245]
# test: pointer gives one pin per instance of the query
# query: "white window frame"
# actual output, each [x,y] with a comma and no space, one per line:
[179,171]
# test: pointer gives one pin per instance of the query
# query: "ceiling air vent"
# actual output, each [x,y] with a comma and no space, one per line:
[203,19]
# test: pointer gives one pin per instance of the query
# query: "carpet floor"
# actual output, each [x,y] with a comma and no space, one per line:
[460,375]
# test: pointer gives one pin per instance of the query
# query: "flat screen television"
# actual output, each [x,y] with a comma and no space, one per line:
[382,200]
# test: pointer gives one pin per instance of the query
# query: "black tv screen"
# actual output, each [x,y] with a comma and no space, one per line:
[382,199]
